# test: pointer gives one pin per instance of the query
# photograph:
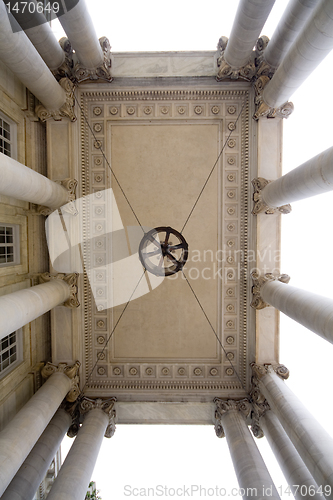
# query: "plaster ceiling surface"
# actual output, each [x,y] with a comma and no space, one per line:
[161,144]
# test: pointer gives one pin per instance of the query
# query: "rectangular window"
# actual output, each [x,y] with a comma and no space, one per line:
[8,132]
[8,351]
[9,244]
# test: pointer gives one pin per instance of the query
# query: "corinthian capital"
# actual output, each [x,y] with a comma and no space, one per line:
[224,406]
[259,204]
[66,110]
[247,72]
[71,280]
[262,109]
[259,282]
[107,406]
[104,71]
[71,371]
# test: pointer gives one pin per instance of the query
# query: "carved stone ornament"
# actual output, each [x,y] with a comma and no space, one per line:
[263,68]
[259,204]
[66,69]
[102,72]
[223,406]
[247,72]
[71,371]
[66,110]
[262,109]
[70,185]
[71,280]
[74,412]
[106,405]
[259,371]
[259,282]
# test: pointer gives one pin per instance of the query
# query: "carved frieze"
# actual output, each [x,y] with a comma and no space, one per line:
[259,282]
[72,373]
[71,280]
[259,205]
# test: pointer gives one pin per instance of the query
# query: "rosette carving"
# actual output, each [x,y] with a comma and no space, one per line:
[71,280]
[66,110]
[72,373]
[259,282]
[107,406]
[260,205]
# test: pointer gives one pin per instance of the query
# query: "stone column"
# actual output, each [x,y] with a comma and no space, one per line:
[309,309]
[311,46]
[236,57]
[19,437]
[252,474]
[93,54]
[39,32]
[33,470]
[21,57]
[291,464]
[311,441]
[23,183]
[293,19]
[74,476]
[309,179]
[22,307]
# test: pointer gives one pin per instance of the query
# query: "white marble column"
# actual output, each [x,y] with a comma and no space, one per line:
[291,464]
[309,179]
[294,17]
[80,30]
[74,476]
[39,32]
[312,45]
[252,474]
[250,18]
[313,443]
[23,183]
[33,470]
[309,309]
[23,306]
[19,437]
[21,57]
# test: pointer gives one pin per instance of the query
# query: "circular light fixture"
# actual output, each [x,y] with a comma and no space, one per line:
[163,251]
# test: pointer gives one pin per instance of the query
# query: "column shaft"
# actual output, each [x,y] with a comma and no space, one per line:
[20,435]
[33,470]
[19,308]
[74,476]
[82,35]
[23,183]
[250,18]
[309,179]
[311,46]
[252,474]
[311,441]
[291,22]
[21,57]
[310,310]
[39,32]
[289,460]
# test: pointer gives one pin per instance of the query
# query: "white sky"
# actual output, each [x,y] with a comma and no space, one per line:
[177,456]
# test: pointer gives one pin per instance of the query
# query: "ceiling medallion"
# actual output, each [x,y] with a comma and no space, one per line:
[161,256]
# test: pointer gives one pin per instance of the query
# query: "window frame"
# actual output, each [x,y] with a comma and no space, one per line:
[19,353]
[13,135]
[16,245]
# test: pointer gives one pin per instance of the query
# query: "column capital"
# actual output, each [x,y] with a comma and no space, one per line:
[107,406]
[70,185]
[246,72]
[71,280]
[66,68]
[259,282]
[223,406]
[259,371]
[260,205]
[263,109]
[66,110]
[263,68]
[81,73]
[72,373]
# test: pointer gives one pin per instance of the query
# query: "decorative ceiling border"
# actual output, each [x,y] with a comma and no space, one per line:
[93,182]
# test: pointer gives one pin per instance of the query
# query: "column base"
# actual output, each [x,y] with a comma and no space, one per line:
[259,205]
[66,110]
[259,281]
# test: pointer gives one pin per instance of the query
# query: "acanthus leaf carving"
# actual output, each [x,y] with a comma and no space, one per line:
[260,206]
[103,71]
[258,282]
[71,371]
[71,280]
[107,406]
[66,110]
[262,108]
